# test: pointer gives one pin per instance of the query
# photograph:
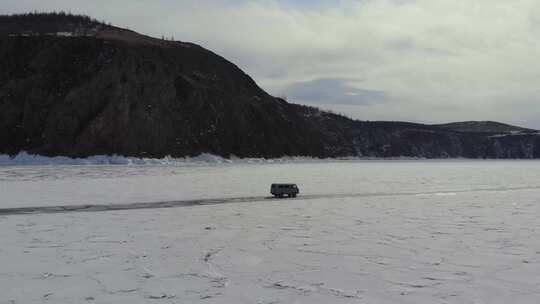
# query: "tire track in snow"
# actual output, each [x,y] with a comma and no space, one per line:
[232,200]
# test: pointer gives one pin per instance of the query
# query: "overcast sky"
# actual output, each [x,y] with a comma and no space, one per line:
[416,60]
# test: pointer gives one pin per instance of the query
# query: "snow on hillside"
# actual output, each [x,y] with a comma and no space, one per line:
[25,159]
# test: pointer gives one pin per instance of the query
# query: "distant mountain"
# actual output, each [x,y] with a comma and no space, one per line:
[73,86]
[485,127]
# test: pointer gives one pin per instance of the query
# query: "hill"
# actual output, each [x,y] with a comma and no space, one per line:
[72,86]
[484,127]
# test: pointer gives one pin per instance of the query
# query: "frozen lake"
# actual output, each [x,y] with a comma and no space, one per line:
[453,231]
[25,186]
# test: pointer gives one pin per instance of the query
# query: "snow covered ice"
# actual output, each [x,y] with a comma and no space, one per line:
[454,231]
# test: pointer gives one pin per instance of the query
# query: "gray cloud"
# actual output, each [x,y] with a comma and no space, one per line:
[435,61]
[331,91]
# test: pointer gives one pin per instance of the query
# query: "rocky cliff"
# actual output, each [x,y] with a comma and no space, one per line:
[72,86]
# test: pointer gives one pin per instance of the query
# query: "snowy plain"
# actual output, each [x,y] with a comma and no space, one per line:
[362,231]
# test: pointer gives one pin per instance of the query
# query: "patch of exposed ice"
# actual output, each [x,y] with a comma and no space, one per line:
[445,194]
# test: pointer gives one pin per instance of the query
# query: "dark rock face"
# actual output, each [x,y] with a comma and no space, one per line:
[118,92]
[48,23]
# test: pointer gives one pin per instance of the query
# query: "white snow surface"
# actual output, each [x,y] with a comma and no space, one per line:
[409,232]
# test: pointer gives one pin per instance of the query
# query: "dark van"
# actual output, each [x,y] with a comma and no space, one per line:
[280,190]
